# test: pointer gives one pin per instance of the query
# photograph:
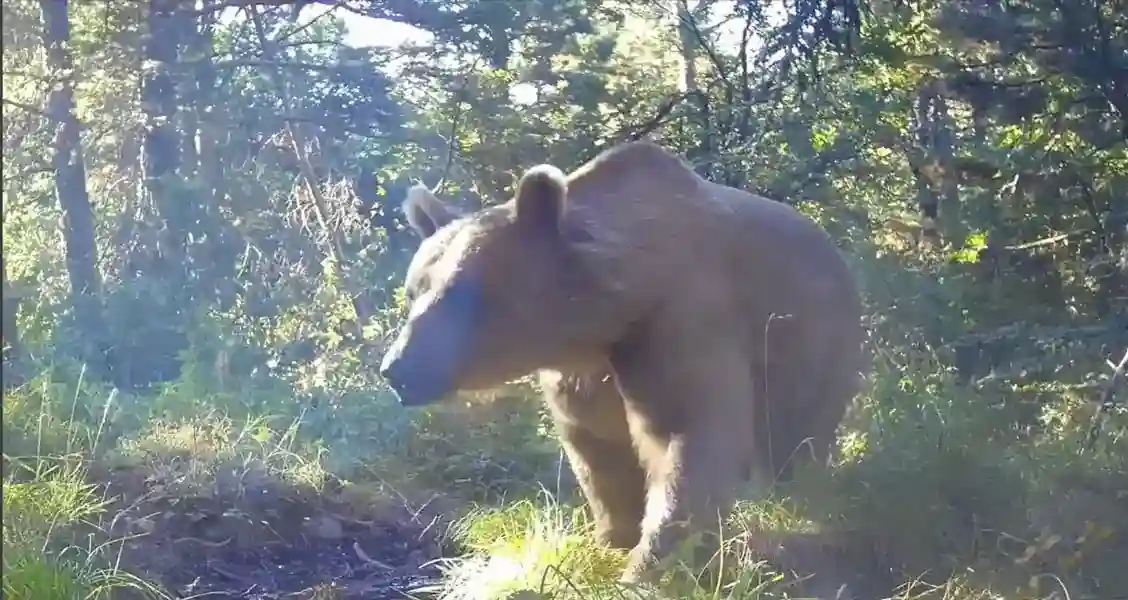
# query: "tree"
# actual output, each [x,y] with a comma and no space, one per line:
[70,185]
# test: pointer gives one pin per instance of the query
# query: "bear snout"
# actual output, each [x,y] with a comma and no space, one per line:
[416,382]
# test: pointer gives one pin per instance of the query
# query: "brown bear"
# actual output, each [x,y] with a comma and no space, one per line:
[688,335]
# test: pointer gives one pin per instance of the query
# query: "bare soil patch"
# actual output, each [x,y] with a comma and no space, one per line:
[268,541]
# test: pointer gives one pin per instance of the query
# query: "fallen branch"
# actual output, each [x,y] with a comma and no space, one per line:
[1117,373]
[362,555]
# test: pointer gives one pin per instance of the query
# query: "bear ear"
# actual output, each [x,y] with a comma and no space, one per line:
[425,212]
[541,197]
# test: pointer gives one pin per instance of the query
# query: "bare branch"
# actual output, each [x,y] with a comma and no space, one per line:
[258,63]
[10,177]
[1109,221]
[455,121]
[1107,399]
[687,20]
[29,108]
[218,6]
[336,243]
[49,78]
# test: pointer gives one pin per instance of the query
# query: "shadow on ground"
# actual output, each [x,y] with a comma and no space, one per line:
[842,565]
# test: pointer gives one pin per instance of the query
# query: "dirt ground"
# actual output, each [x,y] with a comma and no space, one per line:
[249,537]
[266,541]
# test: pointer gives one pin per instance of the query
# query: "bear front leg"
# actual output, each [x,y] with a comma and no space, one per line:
[592,425]
[612,482]
[691,493]
[693,424]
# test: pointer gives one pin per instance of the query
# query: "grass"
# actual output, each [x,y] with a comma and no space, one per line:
[939,496]
[80,459]
[943,491]
[527,545]
[41,561]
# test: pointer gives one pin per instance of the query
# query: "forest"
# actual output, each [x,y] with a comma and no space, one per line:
[204,254]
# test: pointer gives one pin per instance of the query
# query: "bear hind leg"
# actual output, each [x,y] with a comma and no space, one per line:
[809,386]
[807,431]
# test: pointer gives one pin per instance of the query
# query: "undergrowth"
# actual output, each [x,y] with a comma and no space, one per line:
[68,440]
[942,493]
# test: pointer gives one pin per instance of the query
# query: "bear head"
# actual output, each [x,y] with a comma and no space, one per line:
[495,294]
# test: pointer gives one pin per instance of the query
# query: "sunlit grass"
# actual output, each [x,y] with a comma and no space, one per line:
[545,549]
[535,545]
[929,472]
[38,563]
[57,431]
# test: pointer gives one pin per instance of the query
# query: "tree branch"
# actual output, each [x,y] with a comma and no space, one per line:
[29,108]
[1107,400]
[336,243]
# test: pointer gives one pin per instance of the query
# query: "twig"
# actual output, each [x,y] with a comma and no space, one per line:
[1107,400]
[204,543]
[1117,373]
[452,139]
[362,555]
[29,108]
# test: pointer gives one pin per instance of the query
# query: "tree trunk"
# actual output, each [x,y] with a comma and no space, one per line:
[13,353]
[689,37]
[70,185]
[162,143]
[336,246]
[931,160]
[153,332]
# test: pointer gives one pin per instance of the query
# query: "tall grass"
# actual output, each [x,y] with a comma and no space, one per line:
[63,434]
[966,494]
[48,501]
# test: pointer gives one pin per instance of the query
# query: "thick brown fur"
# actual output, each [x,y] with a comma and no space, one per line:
[688,335]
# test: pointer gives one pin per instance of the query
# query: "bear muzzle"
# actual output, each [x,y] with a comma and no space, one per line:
[415,383]
[427,359]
